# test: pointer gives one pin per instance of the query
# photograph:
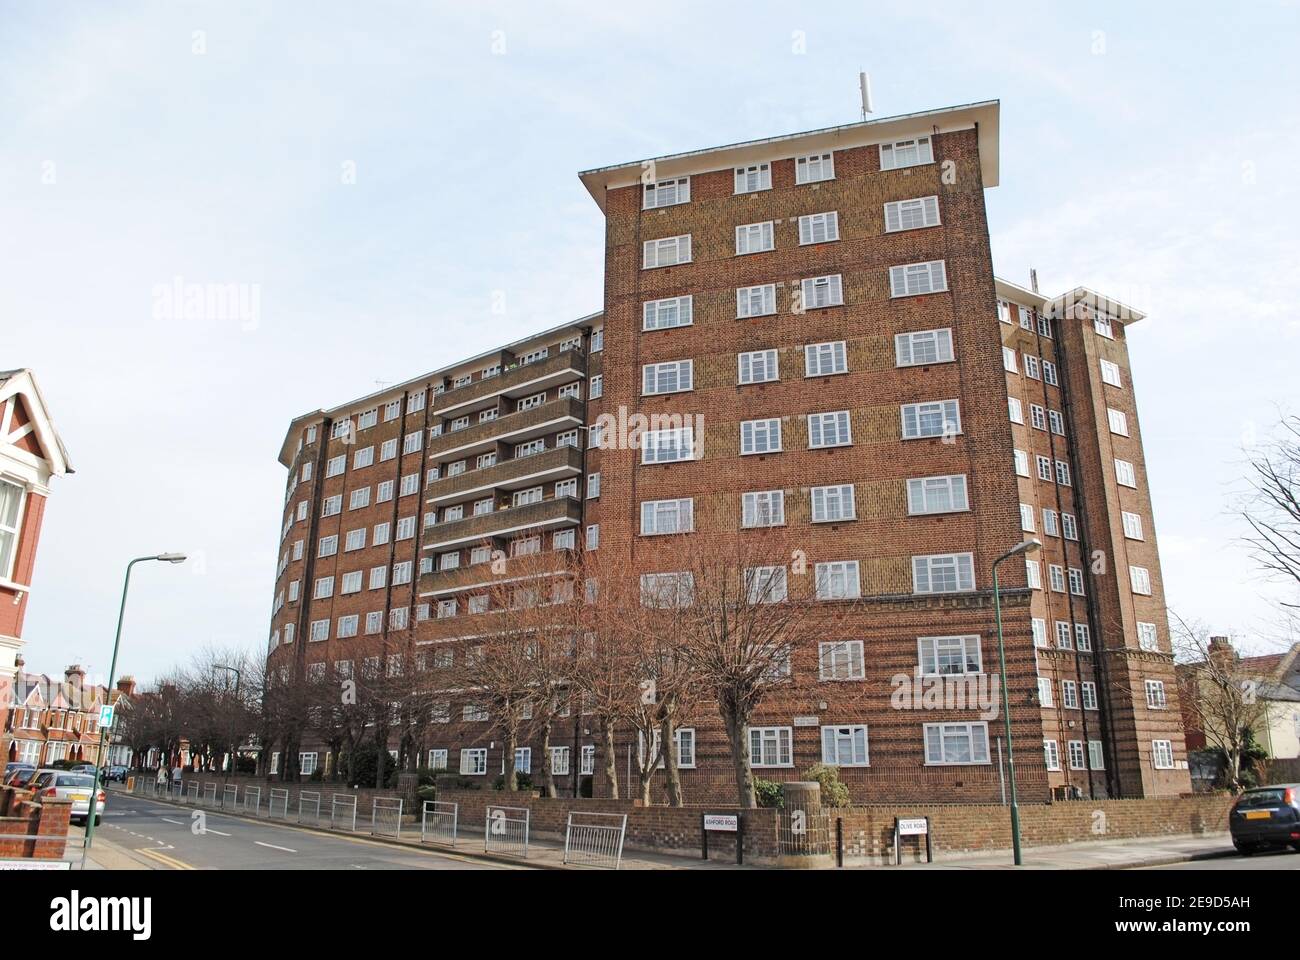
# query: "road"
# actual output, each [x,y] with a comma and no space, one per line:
[1283,860]
[162,835]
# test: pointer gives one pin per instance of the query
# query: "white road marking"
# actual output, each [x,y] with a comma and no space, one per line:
[167,820]
[274,847]
[217,832]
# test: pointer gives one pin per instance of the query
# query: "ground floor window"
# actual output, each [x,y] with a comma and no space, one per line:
[845,746]
[307,764]
[770,747]
[437,759]
[473,762]
[560,761]
[956,743]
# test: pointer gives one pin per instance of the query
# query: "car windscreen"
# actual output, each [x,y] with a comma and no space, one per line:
[75,780]
[1261,798]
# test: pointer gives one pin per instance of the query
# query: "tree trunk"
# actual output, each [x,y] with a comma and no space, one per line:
[512,740]
[611,762]
[548,775]
[672,779]
[735,727]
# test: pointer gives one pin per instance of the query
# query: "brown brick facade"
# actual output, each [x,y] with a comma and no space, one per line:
[512,427]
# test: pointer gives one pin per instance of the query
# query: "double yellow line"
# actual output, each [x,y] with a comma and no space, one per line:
[164,859]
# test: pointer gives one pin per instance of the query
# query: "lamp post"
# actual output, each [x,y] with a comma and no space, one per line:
[112,669]
[1027,547]
[233,746]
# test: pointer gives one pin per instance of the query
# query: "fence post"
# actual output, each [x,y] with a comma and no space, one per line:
[839,841]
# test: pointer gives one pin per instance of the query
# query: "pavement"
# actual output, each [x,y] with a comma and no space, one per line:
[1126,854]
[143,833]
[140,833]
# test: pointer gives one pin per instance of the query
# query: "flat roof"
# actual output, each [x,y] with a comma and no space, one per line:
[983,116]
[1111,307]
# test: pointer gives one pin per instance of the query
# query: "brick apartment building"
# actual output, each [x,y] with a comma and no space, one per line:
[821,310]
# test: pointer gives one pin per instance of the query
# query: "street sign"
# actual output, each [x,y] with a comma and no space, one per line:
[912,827]
[106,715]
[721,823]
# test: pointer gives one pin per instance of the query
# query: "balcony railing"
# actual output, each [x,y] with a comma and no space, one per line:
[516,473]
[510,427]
[506,522]
[517,380]
[547,562]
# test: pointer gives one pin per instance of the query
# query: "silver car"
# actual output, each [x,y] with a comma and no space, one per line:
[66,785]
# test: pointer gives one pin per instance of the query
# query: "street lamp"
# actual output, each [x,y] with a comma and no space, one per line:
[233,747]
[1027,547]
[112,669]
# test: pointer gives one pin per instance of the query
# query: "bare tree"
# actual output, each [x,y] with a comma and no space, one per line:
[510,670]
[750,610]
[1219,695]
[1272,510]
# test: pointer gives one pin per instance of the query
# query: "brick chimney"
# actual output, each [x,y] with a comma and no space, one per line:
[126,685]
[1221,650]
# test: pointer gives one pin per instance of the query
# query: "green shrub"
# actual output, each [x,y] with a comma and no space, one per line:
[366,768]
[522,780]
[834,792]
[767,793]
[453,781]
[426,792]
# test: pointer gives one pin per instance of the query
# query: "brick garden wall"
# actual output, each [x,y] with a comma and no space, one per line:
[22,816]
[868,831]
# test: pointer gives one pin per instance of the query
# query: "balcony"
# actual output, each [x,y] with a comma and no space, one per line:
[565,413]
[506,522]
[482,576]
[516,474]
[515,382]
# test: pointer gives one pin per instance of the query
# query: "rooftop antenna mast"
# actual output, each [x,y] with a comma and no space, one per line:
[1033,279]
[864,86]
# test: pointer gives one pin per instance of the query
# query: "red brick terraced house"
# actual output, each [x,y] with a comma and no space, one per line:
[53,719]
[821,308]
[31,453]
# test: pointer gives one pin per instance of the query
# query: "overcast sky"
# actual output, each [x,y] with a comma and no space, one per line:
[376,174]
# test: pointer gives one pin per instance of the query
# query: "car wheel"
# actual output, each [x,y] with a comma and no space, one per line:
[1245,849]
[97,819]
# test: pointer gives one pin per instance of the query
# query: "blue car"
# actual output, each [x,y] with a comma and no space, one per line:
[1266,817]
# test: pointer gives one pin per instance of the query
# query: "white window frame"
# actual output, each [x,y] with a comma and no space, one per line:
[666,252]
[918,279]
[667,313]
[915,214]
[920,348]
[825,359]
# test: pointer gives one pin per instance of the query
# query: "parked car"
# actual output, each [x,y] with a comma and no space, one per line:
[66,785]
[16,768]
[1266,817]
[86,768]
[116,772]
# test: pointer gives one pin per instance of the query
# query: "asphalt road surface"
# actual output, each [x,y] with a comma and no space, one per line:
[164,835]
[1282,860]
